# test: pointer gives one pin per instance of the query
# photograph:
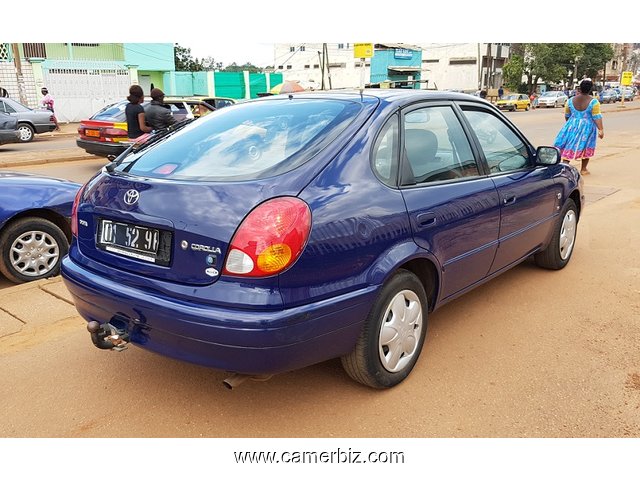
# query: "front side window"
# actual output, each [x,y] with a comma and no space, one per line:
[502,148]
[436,147]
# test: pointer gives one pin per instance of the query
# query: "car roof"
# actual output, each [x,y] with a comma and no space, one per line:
[390,95]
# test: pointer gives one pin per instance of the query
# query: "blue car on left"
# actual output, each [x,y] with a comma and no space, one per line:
[35,212]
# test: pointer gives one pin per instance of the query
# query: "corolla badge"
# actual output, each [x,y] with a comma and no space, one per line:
[131,197]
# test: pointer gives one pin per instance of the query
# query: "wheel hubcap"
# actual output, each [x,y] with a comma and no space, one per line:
[34,253]
[400,331]
[25,133]
[568,234]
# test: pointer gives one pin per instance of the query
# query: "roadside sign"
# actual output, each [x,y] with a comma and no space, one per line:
[363,50]
[627,78]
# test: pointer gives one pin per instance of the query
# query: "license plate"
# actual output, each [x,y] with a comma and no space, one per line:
[129,240]
[92,133]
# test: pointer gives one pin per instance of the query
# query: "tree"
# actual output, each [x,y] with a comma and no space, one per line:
[241,68]
[183,60]
[512,72]
[530,62]
[593,59]
[209,63]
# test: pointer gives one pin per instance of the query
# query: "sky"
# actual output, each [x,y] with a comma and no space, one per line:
[246,30]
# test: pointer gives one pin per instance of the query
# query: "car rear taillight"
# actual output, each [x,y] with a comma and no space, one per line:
[114,132]
[270,239]
[74,213]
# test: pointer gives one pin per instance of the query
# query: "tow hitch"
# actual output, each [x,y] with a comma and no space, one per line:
[107,337]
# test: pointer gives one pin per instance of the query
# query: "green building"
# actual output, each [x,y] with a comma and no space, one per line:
[84,77]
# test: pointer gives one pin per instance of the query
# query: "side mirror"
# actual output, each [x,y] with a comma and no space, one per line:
[547,156]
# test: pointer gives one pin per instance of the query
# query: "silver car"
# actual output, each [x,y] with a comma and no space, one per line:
[552,99]
[30,121]
[8,129]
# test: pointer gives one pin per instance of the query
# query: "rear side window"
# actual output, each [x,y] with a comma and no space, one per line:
[252,140]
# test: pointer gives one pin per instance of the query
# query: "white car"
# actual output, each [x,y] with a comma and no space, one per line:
[552,99]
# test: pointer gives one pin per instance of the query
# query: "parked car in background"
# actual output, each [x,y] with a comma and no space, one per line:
[30,121]
[627,92]
[34,225]
[105,133]
[514,101]
[608,96]
[216,102]
[289,230]
[8,129]
[552,99]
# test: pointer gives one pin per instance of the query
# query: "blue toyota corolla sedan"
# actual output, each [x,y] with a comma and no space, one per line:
[293,229]
[35,214]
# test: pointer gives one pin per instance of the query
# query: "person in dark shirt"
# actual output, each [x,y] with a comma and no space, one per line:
[136,124]
[157,114]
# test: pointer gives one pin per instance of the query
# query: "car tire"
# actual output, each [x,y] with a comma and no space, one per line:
[393,334]
[31,248]
[558,252]
[26,132]
[526,109]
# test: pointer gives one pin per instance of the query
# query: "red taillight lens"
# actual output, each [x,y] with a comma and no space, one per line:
[270,239]
[114,132]
[74,213]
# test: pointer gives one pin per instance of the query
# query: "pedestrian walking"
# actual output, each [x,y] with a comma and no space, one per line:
[500,92]
[47,102]
[583,123]
[136,123]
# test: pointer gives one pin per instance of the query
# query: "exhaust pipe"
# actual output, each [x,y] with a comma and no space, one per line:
[107,337]
[237,378]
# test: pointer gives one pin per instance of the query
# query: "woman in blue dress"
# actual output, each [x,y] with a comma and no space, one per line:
[583,123]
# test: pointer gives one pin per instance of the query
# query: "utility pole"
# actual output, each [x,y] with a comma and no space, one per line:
[488,62]
[19,77]
[326,55]
[321,68]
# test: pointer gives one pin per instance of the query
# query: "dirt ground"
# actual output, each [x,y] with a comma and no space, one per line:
[533,353]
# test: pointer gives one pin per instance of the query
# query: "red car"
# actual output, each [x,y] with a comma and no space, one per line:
[105,133]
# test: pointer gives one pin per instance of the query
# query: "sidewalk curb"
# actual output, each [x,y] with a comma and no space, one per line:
[42,161]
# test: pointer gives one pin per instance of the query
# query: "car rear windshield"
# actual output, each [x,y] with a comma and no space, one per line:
[247,141]
[112,113]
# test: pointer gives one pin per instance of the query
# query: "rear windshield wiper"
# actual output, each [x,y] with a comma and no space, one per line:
[153,139]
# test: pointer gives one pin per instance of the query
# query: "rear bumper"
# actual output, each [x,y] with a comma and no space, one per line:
[236,340]
[45,128]
[101,149]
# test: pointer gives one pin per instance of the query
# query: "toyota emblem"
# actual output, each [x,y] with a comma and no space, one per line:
[131,197]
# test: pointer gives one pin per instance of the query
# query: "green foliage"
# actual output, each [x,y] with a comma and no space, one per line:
[241,68]
[593,59]
[512,72]
[186,63]
[554,63]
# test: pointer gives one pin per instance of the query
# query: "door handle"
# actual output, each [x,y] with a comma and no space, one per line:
[509,200]
[426,219]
